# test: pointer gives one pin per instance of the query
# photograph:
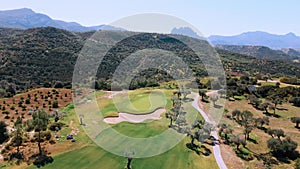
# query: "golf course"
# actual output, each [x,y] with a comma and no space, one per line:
[89,155]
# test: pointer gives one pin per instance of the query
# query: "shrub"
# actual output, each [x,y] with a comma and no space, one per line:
[56,126]
[46,135]
[42,160]
[55,104]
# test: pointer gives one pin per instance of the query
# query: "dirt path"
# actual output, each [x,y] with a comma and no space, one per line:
[134,118]
[216,148]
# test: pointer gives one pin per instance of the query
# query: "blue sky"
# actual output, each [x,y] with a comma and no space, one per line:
[217,17]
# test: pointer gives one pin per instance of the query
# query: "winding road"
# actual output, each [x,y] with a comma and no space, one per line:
[216,148]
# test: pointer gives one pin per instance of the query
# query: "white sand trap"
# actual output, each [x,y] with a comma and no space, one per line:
[133,118]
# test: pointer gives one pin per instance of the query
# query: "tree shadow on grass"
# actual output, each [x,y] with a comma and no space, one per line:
[263,128]
[282,109]
[188,99]
[272,115]
[286,159]
[199,149]
[267,158]
[244,154]
[217,106]
[252,140]
[205,100]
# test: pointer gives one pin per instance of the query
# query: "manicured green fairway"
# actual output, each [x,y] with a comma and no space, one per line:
[94,157]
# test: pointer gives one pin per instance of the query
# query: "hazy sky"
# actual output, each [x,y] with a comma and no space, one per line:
[218,17]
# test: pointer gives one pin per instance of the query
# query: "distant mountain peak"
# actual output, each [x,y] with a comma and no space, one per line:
[186,31]
[290,34]
[25,18]
[18,12]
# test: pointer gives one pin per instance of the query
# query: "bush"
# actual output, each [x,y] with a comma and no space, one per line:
[55,104]
[297,164]
[58,85]
[56,126]
[42,160]
[295,101]
[46,135]
[284,148]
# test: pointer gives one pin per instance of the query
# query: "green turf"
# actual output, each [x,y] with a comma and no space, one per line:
[141,130]
[94,157]
[136,102]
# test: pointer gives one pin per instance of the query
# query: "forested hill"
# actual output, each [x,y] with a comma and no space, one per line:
[261,52]
[46,56]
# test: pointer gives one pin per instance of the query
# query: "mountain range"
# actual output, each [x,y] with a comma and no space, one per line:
[259,44]
[263,52]
[258,38]
[26,18]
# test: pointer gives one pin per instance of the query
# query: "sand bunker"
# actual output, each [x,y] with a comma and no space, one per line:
[133,118]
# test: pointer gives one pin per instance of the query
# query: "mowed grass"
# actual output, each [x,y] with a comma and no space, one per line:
[141,130]
[93,157]
[135,102]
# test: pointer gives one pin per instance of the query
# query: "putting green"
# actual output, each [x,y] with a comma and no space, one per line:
[135,102]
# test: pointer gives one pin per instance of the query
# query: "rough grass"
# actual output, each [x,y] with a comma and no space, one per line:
[283,122]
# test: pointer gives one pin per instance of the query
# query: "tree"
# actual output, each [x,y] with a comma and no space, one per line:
[237,140]
[222,92]
[248,122]
[255,102]
[129,155]
[40,122]
[180,120]
[276,133]
[18,137]
[262,121]
[214,98]
[178,93]
[81,116]
[276,100]
[226,129]
[3,132]
[279,133]
[198,124]
[236,114]
[296,120]
[202,93]
[173,99]
[282,148]
[170,116]
[55,104]
[185,92]
[265,106]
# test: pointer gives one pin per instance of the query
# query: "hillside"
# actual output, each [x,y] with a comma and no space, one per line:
[261,52]
[292,52]
[46,56]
